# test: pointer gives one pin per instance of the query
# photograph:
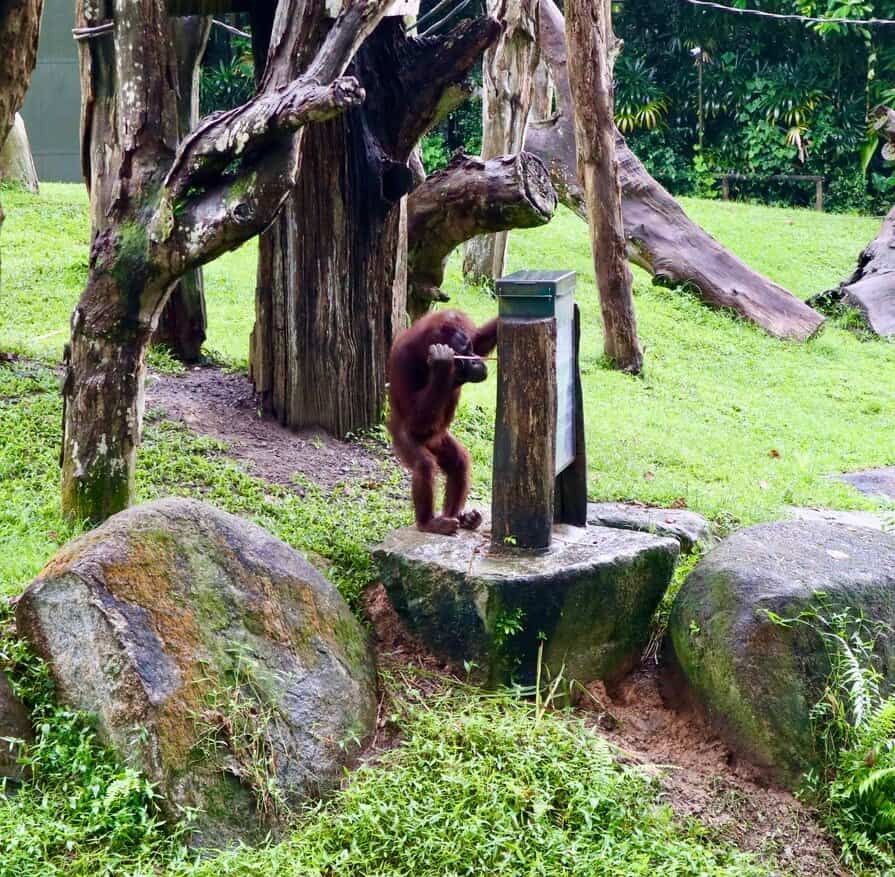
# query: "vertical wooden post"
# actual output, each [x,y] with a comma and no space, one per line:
[725,188]
[819,194]
[522,507]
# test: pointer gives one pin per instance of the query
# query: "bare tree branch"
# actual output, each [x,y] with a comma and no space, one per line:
[467,198]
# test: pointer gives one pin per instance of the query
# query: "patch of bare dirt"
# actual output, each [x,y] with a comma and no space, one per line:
[223,406]
[701,778]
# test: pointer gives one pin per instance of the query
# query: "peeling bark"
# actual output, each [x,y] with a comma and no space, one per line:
[589,42]
[183,322]
[469,197]
[542,93]
[660,237]
[19,29]
[176,207]
[508,73]
[871,288]
[331,292]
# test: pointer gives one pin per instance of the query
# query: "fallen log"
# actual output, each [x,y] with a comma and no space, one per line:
[660,236]
[871,288]
[467,198]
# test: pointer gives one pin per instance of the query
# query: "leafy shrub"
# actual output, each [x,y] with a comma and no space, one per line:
[435,153]
[855,783]
[639,101]
[777,98]
[666,156]
[229,83]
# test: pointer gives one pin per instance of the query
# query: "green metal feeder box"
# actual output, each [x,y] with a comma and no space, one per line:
[540,294]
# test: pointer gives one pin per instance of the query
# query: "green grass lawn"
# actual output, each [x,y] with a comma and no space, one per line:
[478,785]
[733,422]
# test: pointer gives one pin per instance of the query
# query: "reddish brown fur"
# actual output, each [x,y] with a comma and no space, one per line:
[423,398]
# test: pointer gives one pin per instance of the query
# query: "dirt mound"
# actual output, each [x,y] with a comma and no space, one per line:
[653,727]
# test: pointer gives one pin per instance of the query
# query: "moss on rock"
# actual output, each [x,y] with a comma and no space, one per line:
[174,622]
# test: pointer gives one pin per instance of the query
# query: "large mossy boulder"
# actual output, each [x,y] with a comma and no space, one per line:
[214,657]
[585,606]
[757,678]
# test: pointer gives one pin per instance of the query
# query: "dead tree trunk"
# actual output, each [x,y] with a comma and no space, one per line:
[19,28]
[589,40]
[542,93]
[16,160]
[183,322]
[468,197]
[508,74]
[178,205]
[331,292]
[871,288]
[660,237]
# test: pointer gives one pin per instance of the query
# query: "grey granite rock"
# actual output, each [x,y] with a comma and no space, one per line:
[214,656]
[758,679]
[689,528]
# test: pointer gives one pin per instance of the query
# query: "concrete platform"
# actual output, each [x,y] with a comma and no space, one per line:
[590,599]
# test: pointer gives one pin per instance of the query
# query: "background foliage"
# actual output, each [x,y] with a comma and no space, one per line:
[778,97]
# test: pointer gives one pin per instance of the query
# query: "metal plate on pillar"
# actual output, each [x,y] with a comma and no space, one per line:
[534,294]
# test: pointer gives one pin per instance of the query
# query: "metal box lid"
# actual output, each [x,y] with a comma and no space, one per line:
[533,293]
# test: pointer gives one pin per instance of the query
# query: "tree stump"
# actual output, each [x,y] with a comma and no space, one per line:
[16,160]
[331,294]
[19,28]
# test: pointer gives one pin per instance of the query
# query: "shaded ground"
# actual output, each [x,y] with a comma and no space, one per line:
[642,716]
[223,406]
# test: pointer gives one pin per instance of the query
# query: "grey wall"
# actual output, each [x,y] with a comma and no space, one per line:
[53,106]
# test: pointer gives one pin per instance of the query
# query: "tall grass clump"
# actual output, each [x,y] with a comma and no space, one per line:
[489,785]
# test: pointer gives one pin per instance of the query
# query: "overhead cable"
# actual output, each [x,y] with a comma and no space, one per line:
[783,16]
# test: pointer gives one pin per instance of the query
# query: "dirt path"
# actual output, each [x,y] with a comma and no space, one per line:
[222,405]
[698,774]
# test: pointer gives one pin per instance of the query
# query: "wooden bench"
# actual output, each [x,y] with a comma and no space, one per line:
[818,183]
